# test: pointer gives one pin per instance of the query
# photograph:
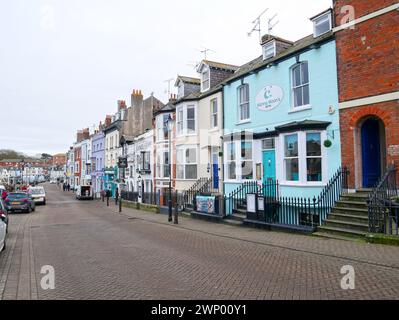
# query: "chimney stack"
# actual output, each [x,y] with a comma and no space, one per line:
[136,99]
[121,105]
[108,120]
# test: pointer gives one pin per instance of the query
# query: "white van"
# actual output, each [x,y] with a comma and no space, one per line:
[38,194]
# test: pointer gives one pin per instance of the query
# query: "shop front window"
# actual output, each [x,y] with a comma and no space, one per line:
[314,157]
[291,158]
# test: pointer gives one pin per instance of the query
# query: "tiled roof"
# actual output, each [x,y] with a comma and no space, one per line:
[188,80]
[259,63]
[219,65]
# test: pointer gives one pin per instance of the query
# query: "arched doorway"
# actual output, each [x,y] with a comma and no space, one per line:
[373,151]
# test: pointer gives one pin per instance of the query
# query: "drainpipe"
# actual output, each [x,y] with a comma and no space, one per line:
[222,148]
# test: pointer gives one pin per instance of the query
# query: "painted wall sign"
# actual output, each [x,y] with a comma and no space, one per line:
[269,98]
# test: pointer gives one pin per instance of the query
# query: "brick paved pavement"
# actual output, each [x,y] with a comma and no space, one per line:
[98,253]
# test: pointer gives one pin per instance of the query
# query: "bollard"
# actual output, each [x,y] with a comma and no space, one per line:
[120,205]
[107,201]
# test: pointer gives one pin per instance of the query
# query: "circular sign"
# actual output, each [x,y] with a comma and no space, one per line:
[269,98]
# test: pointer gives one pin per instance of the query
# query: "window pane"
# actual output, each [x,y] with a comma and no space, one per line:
[314,169]
[179,156]
[180,171]
[297,76]
[232,171]
[298,99]
[190,113]
[191,156]
[247,170]
[291,145]
[323,25]
[191,171]
[166,158]
[231,151]
[305,73]
[191,126]
[313,144]
[305,91]
[292,169]
[246,150]
[166,171]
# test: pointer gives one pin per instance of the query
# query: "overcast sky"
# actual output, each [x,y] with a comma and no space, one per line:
[65,63]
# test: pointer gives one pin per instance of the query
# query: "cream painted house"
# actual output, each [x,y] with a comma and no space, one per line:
[199,125]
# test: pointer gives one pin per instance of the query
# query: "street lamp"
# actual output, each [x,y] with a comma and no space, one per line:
[169,124]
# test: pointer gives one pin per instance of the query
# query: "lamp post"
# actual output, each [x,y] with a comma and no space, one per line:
[169,123]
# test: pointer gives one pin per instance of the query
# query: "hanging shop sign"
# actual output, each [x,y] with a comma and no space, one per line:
[269,97]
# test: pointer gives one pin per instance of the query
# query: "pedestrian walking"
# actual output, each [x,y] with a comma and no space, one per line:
[68,187]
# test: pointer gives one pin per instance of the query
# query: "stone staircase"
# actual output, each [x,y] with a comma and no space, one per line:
[348,220]
[238,216]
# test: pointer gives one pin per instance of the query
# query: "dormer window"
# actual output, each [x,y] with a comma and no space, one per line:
[322,24]
[180,93]
[269,50]
[205,80]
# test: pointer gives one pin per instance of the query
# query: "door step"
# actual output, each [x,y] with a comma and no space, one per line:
[334,236]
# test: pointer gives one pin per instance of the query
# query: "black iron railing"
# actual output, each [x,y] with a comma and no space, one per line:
[290,210]
[383,206]
[238,198]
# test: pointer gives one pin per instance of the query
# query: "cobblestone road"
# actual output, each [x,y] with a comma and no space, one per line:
[98,253]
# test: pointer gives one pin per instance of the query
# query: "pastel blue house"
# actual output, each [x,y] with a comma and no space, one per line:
[281,117]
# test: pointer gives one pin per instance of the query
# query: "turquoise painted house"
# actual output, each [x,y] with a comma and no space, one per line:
[281,117]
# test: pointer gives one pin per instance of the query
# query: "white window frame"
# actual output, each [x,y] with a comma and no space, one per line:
[184,163]
[182,112]
[160,127]
[239,160]
[302,156]
[204,80]
[318,20]
[242,103]
[214,115]
[160,165]
[293,87]
[267,47]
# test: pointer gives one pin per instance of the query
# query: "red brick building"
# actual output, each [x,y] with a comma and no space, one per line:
[368,74]
[58,160]
[78,164]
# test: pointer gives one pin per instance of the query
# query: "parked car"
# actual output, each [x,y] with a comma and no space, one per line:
[84,193]
[53,181]
[19,201]
[4,213]
[38,195]
[3,230]
[3,193]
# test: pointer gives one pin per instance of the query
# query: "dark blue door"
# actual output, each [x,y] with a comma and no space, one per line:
[371,153]
[215,171]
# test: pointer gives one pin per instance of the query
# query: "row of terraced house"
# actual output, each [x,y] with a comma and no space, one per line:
[292,128]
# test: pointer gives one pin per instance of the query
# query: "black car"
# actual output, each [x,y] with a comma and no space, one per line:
[19,201]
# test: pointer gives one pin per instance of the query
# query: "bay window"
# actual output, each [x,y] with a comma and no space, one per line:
[247,172]
[186,120]
[239,160]
[291,158]
[162,130]
[231,161]
[314,158]
[303,158]
[190,119]
[186,165]
[162,166]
